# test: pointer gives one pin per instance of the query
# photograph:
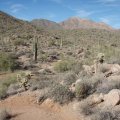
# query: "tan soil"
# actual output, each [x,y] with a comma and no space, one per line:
[24,107]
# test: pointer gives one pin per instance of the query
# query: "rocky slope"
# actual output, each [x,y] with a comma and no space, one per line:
[46,24]
[78,23]
[10,25]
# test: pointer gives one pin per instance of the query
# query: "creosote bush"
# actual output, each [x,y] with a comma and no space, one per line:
[64,65]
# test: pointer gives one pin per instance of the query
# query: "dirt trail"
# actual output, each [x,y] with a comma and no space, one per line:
[24,106]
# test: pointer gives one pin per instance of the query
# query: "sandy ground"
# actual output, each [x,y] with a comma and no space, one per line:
[24,107]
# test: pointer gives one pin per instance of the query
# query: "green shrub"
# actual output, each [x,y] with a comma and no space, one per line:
[88,86]
[7,62]
[60,94]
[51,43]
[43,57]
[69,78]
[3,90]
[82,90]
[41,84]
[77,67]
[64,65]
[86,108]
[5,84]
[19,42]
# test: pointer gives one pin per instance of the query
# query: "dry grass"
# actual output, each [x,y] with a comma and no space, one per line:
[4,114]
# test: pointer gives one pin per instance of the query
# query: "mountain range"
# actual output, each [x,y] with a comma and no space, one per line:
[8,22]
[71,23]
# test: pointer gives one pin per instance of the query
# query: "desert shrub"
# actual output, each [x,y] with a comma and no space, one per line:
[51,43]
[12,89]
[86,108]
[7,62]
[4,115]
[69,78]
[3,90]
[43,57]
[77,67]
[82,90]
[43,95]
[64,65]
[108,85]
[106,115]
[97,113]
[41,84]
[114,60]
[60,94]
[88,86]
[19,42]
[95,80]
[4,86]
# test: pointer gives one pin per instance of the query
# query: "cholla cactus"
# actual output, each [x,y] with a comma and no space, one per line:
[100,57]
[99,60]
[23,80]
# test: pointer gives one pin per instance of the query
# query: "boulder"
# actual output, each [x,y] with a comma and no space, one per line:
[98,98]
[112,98]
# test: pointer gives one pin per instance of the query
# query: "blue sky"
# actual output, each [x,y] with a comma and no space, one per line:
[107,11]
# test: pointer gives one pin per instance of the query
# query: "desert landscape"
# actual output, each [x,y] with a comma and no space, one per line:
[67,70]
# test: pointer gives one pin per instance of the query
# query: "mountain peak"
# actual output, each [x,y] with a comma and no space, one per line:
[79,23]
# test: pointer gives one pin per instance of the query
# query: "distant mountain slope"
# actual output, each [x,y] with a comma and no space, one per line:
[20,30]
[10,25]
[78,23]
[46,24]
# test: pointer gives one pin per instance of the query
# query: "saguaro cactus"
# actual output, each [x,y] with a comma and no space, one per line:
[35,49]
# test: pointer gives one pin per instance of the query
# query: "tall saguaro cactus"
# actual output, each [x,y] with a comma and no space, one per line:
[35,49]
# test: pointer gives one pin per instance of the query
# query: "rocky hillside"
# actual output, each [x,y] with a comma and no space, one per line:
[10,25]
[78,23]
[46,24]
[19,30]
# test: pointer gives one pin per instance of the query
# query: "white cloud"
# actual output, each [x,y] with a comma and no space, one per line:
[112,20]
[105,20]
[16,8]
[83,13]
